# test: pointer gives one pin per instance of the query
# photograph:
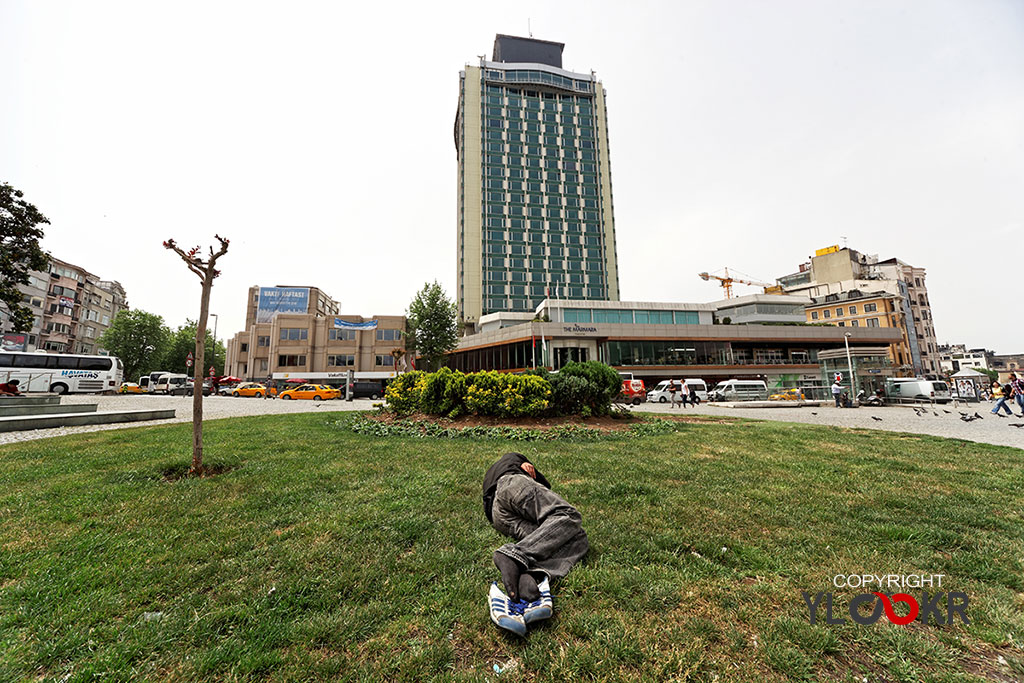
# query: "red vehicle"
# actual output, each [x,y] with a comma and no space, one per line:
[633,391]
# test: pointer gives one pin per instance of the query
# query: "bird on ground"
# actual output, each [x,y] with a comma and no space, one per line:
[947,412]
[813,413]
[935,414]
[1018,425]
[978,417]
[876,419]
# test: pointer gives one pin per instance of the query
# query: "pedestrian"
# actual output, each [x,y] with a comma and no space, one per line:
[837,391]
[549,540]
[10,388]
[672,393]
[1001,395]
[1017,384]
[684,393]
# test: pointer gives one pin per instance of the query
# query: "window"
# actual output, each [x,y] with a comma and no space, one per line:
[263,341]
[828,313]
[872,322]
[343,360]
[244,347]
[853,310]
[839,312]
[291,360]
[386,361]
[854,323]
[341,335]
[870,308]
[576,315]
[388,335]
[814,315]
[294,333]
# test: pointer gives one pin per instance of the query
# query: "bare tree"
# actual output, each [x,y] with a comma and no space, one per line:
[207,272]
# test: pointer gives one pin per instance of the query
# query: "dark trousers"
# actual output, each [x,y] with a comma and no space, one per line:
[548,531]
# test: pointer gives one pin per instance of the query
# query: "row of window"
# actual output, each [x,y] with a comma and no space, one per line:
[541,78]
[570,178]
[334,334]
[497,150]
[524,304]
[870,322]
[550,130]
[595,289]
[827,313]
[628,317]
[342,360]
[571,235]
[537,265]
[43,361]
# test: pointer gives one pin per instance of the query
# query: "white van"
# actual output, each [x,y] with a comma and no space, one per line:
[740,390]
[911,389]
[661,394]
[168,382]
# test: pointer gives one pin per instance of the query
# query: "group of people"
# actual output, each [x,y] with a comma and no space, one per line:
[1013,391]
[684,392]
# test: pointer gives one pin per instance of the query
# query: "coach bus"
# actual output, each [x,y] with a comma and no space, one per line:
[61,373]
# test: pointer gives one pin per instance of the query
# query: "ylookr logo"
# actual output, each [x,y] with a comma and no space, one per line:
[940,608]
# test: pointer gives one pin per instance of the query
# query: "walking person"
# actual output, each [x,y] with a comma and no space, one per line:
[672,393]
[1001,394]
[684,393]
[549,540]
[1017,384]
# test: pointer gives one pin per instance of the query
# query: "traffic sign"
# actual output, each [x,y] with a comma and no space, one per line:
[212,371]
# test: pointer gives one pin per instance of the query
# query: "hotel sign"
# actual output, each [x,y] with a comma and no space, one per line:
[579,329]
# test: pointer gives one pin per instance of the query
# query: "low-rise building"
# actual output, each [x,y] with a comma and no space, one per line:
[293,332]
[656,341]
[953,357]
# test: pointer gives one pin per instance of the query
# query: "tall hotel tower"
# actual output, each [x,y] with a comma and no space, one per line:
[535,185]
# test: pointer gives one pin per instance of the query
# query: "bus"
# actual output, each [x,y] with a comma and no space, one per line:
[61,373]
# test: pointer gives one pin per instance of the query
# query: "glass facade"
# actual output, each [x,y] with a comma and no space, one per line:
[543,225]
[629,317]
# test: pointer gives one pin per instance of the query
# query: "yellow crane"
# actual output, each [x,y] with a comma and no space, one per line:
[727,280]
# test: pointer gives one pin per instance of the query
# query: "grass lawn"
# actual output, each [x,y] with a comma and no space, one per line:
[331,555]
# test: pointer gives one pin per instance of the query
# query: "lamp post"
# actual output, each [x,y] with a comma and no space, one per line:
[216,319]
[849,366]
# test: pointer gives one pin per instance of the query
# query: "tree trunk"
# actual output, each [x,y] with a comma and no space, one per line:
[197,386]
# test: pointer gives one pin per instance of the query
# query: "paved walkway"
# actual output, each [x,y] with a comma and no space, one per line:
[939,421]
[214,407]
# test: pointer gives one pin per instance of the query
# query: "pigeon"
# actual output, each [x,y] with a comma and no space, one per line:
[978,417]
[947,412]
[935,414]
[813,413]
[1018,425]
[876,419]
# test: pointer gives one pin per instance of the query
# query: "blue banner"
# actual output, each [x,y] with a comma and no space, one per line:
[274,300]
[345,324]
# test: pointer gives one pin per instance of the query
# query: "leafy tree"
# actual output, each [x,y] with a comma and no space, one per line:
[19,252]
[431,329]
[183,341]
[139,339]
[993,375]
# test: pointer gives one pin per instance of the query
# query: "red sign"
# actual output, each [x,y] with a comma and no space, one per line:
[189,356]
[212,371]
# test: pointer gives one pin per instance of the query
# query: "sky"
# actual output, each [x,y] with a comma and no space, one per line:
[318,137]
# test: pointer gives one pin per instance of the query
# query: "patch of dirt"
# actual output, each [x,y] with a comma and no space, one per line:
[177,473]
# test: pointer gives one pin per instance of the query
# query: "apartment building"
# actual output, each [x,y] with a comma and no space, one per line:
[835,270]
[535,213]
[72,308]
[856,308]
[298,332]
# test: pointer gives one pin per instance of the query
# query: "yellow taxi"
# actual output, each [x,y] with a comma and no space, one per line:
[787,395]
[130,388]
[316,392]
[254,389]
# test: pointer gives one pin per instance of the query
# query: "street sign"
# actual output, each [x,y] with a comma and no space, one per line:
[188,362]
[212,371]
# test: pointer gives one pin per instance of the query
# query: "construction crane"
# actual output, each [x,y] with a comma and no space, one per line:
[727,280]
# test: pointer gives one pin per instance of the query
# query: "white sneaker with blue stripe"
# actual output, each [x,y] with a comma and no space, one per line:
[539,610]
[506,613]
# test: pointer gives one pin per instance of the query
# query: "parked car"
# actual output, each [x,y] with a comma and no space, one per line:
[912,389]
[661,394]
[795,394]
[315,392]
[130,388]
[633,391]
[253,389]
[740,390]
[367,389]
[168,383]
[190,388]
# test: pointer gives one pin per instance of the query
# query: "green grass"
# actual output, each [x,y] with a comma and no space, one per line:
[326,554]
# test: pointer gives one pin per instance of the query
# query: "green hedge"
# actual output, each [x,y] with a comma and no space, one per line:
[577,389]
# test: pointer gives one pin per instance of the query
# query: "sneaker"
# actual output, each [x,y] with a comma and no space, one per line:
[540,609]
[506,613]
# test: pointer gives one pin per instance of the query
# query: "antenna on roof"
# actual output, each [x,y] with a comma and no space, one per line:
[528,28]
[843,238]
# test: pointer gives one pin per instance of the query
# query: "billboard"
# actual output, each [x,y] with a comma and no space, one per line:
[13,342]
[274,300]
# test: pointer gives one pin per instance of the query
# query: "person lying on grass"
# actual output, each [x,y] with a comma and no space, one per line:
[519,502]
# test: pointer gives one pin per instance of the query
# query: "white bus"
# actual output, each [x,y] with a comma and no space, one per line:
[61,373]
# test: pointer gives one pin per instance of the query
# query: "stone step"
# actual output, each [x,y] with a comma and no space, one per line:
[17,423]
[45,409]
[29,400]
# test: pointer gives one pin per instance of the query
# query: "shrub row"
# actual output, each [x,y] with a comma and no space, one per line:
[364,425]
[577,389]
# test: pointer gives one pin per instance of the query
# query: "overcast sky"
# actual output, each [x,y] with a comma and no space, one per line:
[317,136]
